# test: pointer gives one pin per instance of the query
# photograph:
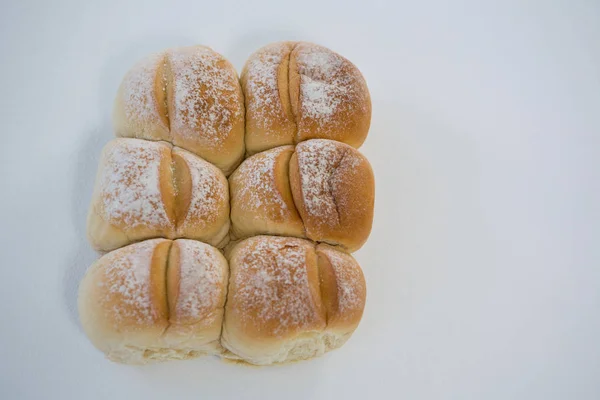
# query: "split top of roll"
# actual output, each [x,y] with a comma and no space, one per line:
[188,96]
[155,300]
[296,91]
[290,300]
[287,299]
[322,190]
[147,189]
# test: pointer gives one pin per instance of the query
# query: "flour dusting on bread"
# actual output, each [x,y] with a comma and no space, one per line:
[206,94]
[324,85]
[129,184]
[349,279]
[127,282]
[327,169]
[208,191]
[201,279]
[317,160]
[273,291]
[256,184]
[262,86]
[332,90]
[138,89]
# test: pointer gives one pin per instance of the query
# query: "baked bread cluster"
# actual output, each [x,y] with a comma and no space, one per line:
[208,253]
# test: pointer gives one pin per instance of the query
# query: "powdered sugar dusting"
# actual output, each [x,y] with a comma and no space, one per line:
[201,280]
[262,88]
[325,83]
[317,160]
[208,191]
[138,90]
[350,282]
[272,284]
[206,94]
[127,282]
[256,187]
[129,186]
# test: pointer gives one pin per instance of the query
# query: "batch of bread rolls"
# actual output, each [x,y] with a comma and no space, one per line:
[227,208]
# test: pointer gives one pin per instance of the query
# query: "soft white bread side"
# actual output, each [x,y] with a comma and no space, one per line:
[155,300]
[296,91]
[148,189]
[188,96]
[289,301]
[323,190]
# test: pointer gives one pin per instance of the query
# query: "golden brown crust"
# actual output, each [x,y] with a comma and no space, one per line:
[197,287]
[140,109]
[205,216]
[197,270]
[343,288]
[323,191]
[182,185]
[289,300]
[160,94]
[329,292]
[188,96]
[172,277]
[282,182]
[294,88]
[166,186]
[295,91]
[206,106]
[273,298]
[333,98]
[149,189]
[261,200]
[264,79]
[333,188]
[155,300]
[123,295]
[158,272]
[131,194]
[284,85]
[268,276]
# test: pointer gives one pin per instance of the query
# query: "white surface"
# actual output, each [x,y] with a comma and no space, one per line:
[483,265]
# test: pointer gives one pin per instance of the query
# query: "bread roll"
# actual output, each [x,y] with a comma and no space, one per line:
[149,189]
[296,91]
[188,96]
[261,200]
[289,301]
[155,300]
[323,191]
[334,190]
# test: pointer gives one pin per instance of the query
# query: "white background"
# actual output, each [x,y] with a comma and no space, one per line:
[483,267]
